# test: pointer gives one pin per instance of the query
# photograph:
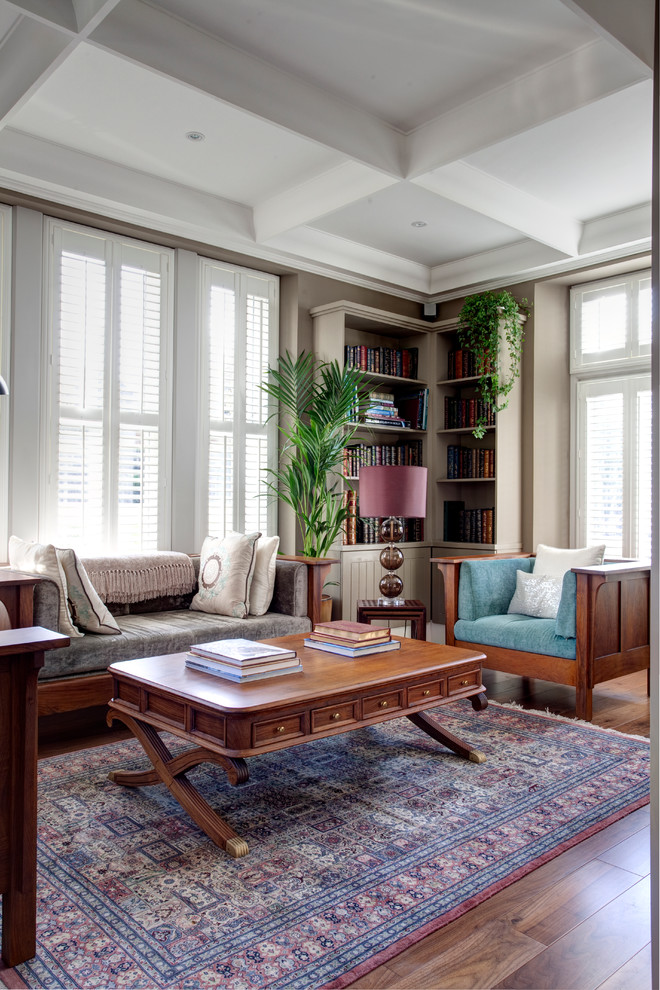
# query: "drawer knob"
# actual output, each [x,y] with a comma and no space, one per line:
[425,692]
[280,728]
[464,683]
[382,704]
[337,715]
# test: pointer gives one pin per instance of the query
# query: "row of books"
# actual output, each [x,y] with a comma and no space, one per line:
[359,455]
[359,530]
[470,462]
[462,413]
[351,639]
[462,363]
[241,660]
[463,525]
[380,410]
[395,361]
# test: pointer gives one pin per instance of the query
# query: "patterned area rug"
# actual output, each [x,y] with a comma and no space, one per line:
[359,845]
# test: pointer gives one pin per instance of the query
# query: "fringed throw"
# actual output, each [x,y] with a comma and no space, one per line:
[140,576]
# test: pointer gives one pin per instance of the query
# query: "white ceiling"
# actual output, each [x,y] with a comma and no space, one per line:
[519,131]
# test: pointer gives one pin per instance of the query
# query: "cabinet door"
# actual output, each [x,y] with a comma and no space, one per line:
[361,570]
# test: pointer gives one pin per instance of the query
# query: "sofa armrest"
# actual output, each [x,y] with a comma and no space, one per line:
[46,604]
[290,591]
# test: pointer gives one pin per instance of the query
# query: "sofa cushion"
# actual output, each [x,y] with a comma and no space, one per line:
[486,585]
[263,579]
[157,633]
[225,574]
[555,561]
[536,595]
[567,611]
[87,609]
[516,632]
[41,558]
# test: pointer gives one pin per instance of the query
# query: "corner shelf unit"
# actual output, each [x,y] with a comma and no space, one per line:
[343,324]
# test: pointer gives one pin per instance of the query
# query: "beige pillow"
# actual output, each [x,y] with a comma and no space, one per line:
[263,579]
[226,567]
[555,561]
[87,609]
[41,558]
[536,595]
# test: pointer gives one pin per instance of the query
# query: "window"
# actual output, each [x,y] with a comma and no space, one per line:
[611,338]
[108,391]
[5,281]
[240,341]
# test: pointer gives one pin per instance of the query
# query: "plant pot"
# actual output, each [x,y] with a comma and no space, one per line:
[326,608]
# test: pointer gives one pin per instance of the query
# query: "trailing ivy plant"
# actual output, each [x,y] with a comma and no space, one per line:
[320,403]
[490,325]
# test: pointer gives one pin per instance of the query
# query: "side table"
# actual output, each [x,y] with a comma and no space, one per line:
[370,608]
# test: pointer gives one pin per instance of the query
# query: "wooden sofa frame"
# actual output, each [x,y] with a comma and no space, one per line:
[612,628]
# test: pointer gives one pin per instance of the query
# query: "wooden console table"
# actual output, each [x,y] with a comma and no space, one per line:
[21,657]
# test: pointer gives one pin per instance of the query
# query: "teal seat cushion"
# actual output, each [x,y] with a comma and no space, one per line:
[486,586]
[516,632]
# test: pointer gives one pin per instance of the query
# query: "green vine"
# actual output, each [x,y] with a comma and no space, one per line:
[490,325]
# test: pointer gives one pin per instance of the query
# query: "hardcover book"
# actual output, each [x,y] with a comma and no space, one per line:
[239,676]
[344,629]
[240,650]
[354,652]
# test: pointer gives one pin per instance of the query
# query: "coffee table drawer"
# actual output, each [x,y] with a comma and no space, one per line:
[382,703]
[461,682]
[334,715]
[275,730]
[426,692]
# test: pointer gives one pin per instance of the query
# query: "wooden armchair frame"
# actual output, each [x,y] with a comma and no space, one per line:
[612,628]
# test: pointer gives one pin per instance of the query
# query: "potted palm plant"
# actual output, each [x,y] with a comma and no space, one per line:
[320,404]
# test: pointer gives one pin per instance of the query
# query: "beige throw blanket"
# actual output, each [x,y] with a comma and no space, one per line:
[140,576]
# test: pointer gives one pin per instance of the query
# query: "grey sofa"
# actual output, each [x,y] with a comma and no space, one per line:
[76,676]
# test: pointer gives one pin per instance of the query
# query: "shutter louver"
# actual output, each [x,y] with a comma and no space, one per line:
[604,472]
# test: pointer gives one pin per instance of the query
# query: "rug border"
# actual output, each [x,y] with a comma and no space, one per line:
[396,948]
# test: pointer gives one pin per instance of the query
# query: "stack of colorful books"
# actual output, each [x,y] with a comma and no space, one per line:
[351,639]
[242,660]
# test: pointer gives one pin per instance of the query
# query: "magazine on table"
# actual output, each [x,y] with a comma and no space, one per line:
[240,650]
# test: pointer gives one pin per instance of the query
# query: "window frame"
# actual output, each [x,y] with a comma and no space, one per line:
[114,251]
[5,364]
[240,278]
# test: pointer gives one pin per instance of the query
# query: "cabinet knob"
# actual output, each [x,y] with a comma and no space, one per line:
[464,683]
[425,692]
[382,704]
[280,728]
[337,715]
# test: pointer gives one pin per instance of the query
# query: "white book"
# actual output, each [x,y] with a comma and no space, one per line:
[240,650]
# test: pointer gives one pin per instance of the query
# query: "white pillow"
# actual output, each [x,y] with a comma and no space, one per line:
[87,609]
[554,562]
[41,558]
[536,595]
[263,579]
[226,568]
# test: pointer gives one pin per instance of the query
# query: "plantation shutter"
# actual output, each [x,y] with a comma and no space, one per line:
[110,393]
[240,331]
[614,465]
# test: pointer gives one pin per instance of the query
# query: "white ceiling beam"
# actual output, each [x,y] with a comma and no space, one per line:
[554,89]
[627,25]
[73,16]
[316,197]
[485,194]
[36,46]
[154,39]
[629,227]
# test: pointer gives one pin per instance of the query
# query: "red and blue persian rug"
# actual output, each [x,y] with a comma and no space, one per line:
[359,845]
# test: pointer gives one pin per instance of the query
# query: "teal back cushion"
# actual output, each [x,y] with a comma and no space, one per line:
[486,586]
[565,621]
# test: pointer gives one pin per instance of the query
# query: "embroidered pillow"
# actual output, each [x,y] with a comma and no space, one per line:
[554,562]
[41,558]
[263,579]
[226,568]
[87,610]
[536,595]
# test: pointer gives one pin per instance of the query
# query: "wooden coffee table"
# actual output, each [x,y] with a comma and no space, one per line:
[227,722]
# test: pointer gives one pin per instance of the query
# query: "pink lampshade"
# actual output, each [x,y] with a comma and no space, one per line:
[393,490]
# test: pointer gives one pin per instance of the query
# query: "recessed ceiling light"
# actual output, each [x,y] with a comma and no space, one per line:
[419,223]
[195,136]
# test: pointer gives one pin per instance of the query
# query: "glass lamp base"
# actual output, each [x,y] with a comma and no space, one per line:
[391,601]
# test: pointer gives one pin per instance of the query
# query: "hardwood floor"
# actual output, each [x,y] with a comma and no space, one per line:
[580,921]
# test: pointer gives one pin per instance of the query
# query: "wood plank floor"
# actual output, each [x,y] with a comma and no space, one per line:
[580,921]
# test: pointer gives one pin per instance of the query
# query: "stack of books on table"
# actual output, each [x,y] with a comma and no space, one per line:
[242,660]
[351,639]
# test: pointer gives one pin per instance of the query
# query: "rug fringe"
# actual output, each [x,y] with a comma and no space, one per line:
[565,718]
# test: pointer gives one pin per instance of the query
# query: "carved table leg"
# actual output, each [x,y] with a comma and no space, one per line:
[479,701]
[435,730]
[170,770]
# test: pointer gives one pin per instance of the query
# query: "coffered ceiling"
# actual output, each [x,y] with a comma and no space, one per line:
[418,145]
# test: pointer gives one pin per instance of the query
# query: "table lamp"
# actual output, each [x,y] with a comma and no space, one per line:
[392,492]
